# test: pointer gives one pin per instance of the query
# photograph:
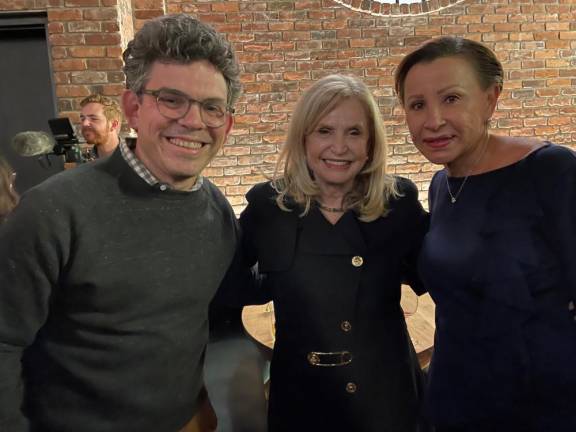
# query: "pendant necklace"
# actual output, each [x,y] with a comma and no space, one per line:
[454,197]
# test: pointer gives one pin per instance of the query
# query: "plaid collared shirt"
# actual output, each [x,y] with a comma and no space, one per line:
[143,172]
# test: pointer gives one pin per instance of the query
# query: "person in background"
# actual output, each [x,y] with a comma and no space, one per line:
[108,270]
[100,121]
[8,196]
[333,239]
[498,259]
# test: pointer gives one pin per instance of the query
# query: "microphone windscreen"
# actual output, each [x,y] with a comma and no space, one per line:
[32,143]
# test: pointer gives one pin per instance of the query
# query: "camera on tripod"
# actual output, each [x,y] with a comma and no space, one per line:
[66,141]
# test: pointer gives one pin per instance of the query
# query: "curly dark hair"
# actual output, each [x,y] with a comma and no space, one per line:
[179,39]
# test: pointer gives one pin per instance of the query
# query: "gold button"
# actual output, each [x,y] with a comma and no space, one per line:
[357,261]
[351,387]
[346,326]
[313,359]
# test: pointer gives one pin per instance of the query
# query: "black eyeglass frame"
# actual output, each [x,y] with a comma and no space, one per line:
[156,93]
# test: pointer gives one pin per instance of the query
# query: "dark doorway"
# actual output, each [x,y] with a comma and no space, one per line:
[26,93]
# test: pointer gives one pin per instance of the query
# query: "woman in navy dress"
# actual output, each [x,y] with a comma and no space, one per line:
[333,238]
[499,256]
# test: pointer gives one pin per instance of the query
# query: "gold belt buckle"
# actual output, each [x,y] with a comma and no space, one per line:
[329,359]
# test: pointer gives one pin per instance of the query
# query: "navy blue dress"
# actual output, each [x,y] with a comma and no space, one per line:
[500,263]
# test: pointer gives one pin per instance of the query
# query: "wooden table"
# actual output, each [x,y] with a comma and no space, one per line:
[419,311]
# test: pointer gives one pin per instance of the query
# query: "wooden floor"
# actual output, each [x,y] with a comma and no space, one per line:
[420,322]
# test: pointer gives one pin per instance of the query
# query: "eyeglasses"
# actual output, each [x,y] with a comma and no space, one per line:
[174,105]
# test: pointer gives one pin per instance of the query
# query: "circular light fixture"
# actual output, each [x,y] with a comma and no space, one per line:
[397,8]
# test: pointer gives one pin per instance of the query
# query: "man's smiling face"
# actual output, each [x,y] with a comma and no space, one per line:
[176,151]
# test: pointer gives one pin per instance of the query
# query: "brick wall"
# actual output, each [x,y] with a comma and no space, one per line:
[87,38]
[283,46]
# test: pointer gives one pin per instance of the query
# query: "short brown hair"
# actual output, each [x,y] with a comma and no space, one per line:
[179,39]
[110,106]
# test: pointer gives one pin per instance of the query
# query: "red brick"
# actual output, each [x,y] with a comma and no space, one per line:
[68,65]
[247,119]
[257,46]
[82,3]
[146,14]
[147,4]
[83,27]
[59,52]
[87,51]
[113,89]
[54,27]
[64,15]
[103,39]
[534,41]
[66,39]
[104,64]
[114,52]
[71,91]
[61,77]
[227,6]
[296,76]
[110,27]
[100,14]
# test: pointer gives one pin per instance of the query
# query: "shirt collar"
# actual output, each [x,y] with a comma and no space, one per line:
[127,150]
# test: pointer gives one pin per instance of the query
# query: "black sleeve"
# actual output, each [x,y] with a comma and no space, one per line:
[417,220]
[243,284]
[33,248]
[554,177]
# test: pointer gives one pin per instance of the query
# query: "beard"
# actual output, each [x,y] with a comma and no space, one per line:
[94,137]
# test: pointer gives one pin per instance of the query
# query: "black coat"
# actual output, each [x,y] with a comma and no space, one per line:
[336,288]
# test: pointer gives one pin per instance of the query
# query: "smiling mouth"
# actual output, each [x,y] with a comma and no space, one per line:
[193,145]
[336,162]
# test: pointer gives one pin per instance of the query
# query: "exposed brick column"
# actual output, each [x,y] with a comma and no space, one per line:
[147,9]
[87,38]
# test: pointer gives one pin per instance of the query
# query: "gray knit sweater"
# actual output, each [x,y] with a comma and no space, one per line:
[104,289]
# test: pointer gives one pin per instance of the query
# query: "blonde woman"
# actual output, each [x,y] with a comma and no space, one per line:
[8,196]
[334,236]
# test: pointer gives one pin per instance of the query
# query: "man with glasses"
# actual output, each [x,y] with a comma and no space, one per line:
[107,270]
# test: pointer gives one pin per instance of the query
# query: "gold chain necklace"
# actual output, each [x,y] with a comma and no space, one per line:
[331,209]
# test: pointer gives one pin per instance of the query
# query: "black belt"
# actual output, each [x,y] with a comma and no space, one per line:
[329,359]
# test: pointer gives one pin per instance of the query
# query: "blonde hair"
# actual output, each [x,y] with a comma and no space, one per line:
[110,107]
[373,187]
[8,196]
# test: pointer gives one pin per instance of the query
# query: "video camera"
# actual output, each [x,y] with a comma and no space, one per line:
[66,141]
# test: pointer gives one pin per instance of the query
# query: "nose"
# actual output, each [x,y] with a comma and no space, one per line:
[339,145]
[85,122]
[193,118]
[434,118]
